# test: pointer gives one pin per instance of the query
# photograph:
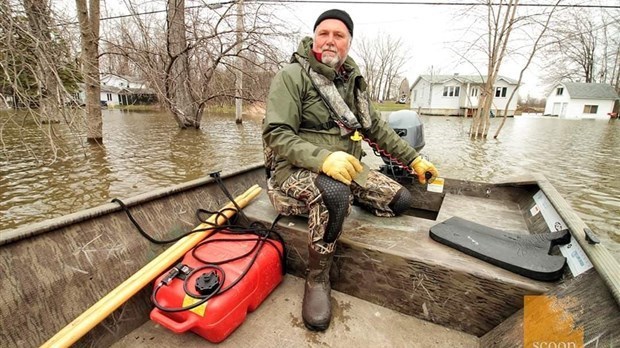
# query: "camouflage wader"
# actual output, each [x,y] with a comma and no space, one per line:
[375,196]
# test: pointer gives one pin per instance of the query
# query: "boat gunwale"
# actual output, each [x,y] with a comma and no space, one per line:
[48,225]
[605,264]
[602,260]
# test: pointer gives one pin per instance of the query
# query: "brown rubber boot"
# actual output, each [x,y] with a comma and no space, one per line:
[317,309]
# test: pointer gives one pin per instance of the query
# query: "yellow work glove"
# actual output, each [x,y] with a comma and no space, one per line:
[421,167]
[342,166]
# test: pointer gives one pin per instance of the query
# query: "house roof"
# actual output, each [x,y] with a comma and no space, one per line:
[578,90]
[136,91]
[106,88]
[475,79]
[102,88]
[117,90]
[131,79]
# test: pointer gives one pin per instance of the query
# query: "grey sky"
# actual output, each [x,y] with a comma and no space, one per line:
[433,35]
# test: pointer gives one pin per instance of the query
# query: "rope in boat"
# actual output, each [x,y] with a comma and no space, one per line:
[259,232]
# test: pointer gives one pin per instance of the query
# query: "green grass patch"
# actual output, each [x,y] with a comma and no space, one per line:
[390,105]
[150,107]
[385,106]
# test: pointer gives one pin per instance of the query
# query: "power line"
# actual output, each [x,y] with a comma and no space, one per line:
[432,3]
[211,6]
[427,3]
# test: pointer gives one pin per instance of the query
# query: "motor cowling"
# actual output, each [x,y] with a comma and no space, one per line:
[408,125]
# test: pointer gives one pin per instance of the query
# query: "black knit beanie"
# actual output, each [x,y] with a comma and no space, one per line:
[335,14]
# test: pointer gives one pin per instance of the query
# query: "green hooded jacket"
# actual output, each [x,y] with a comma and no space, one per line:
[293,126]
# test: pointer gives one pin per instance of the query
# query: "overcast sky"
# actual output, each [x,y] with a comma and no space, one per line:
[424,30]
[432,34]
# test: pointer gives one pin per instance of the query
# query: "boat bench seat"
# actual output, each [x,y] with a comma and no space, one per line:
[394,263]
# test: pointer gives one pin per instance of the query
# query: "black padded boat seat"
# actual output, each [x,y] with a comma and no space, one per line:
[527,255]
[394,263]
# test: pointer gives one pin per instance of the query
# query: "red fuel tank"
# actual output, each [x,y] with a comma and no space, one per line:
[222,314]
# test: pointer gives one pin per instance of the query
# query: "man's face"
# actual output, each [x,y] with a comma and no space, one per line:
[332,40]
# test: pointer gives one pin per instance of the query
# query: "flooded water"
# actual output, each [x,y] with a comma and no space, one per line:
[144,151]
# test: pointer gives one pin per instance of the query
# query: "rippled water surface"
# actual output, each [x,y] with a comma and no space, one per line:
[143,151]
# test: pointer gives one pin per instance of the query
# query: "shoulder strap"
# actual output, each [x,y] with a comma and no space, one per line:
[341,114]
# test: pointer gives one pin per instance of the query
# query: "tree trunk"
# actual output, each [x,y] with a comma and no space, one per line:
[497,42]
[481,117]
[239,61]
[386,89]
[616,73]
[177,85]
[527,64]
[88,17]
[39,19]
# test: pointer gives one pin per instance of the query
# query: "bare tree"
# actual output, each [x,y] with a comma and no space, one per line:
[39,19]
[38,72]
[365,49]
[239,64]
[518,37]
[500,21]
[585,47]
[382,60]
[533,51]
[198,54]
[177,74]
[581,46]
[113,61]
[88,16]
[32,59]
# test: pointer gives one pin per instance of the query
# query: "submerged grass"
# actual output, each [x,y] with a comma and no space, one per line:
[223,108]
[390,106]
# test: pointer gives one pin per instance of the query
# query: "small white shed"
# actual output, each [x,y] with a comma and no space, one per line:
[577,100]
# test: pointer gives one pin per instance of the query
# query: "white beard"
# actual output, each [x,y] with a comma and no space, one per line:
[332,61]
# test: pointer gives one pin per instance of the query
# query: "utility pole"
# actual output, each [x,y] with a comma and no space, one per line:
[239,72]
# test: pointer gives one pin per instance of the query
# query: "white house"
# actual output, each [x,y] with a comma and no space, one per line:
[121,90]
[457,95]
[581,100]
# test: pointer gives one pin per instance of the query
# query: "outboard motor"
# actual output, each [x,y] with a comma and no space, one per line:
[408,125]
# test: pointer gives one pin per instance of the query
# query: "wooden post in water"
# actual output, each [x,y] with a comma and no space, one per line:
[239,71]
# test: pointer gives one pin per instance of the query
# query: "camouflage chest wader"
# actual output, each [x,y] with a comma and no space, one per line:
[379,194]
[327,202]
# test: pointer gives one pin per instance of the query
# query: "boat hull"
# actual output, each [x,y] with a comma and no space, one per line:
[55,270]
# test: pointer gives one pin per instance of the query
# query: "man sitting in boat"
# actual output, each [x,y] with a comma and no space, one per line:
[318,111]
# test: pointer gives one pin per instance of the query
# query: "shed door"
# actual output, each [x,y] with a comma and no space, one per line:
[563,112]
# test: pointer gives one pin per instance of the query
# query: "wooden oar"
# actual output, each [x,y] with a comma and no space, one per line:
[122,293]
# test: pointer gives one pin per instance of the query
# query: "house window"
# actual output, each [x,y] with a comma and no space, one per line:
[109,96]
[590,109]
[500,92]
[451,91]
[415,95]
[474,92]
[559,91]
